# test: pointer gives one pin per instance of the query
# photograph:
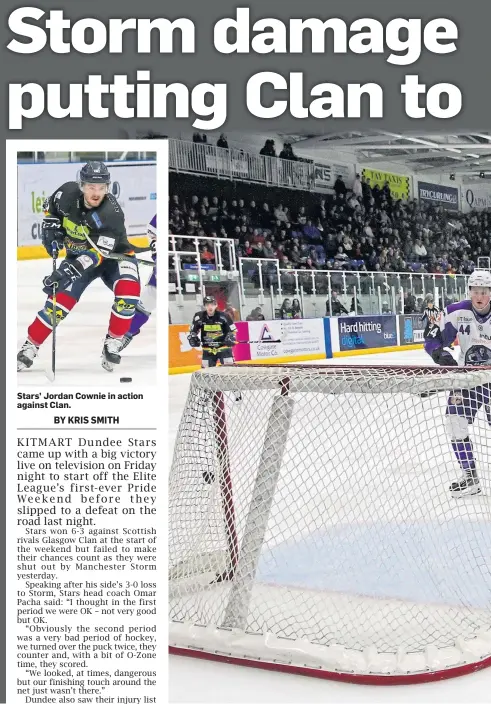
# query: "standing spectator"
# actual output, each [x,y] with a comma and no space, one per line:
[266,217]
[222,142]
[366,191]
[268,149]
[287,152]
[340,187]
[357,189]
[386,191]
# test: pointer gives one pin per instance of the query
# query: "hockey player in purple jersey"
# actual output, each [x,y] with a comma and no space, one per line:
[470,322]
[148,300]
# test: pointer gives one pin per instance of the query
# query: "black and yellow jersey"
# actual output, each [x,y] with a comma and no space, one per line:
[107,220]
[213,328]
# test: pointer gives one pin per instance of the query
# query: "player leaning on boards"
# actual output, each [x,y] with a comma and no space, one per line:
[470,322]
[215,332]
[74,213]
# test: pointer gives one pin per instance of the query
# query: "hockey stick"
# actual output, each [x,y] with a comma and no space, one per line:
[258,342]
[122,257]
[265,342]
[54,255]
[254,342]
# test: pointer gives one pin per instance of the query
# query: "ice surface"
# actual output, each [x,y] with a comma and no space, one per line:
[80,337]
[200,681]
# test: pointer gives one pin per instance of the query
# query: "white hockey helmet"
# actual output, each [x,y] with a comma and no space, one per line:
[480,279]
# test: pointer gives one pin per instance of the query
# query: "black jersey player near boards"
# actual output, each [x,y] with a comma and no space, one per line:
[74,212]
[215,332]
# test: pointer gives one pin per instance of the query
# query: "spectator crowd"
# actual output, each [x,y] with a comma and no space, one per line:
[363,228]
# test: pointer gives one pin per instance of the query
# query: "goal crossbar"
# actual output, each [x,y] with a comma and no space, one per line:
[339,379]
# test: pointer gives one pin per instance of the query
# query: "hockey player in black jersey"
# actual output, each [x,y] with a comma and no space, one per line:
[87,221]
[215,332]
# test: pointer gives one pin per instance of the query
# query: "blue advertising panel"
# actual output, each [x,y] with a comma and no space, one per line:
[367,332]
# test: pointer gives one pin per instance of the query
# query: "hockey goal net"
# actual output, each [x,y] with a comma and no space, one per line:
[311,526]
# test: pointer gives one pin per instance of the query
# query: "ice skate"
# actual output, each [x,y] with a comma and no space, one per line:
[110,352]
[26,356]
[468,486]
[126,341]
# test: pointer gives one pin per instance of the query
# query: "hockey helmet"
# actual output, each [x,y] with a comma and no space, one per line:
[480,278]
[209,300]
[95,172]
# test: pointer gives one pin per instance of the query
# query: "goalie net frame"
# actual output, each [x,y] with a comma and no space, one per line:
[228,641]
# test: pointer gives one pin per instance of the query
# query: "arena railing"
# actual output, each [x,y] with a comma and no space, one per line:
[266,281]
[263,280]
[238,165]
[185,251]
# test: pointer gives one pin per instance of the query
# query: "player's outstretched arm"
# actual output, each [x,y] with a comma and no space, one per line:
[440,337]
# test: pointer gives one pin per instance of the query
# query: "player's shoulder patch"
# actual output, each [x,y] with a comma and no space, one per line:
[63,197]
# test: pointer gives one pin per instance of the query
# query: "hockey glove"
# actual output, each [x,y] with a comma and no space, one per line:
[193,339]
[443,358]
[229,340]
[69,271]
[52,233]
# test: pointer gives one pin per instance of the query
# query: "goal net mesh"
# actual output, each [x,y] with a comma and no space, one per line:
[310,513]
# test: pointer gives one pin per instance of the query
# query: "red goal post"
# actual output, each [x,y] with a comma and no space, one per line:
[311,529]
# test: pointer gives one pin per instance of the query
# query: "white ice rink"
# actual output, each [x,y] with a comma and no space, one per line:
[192,680]
[80,337]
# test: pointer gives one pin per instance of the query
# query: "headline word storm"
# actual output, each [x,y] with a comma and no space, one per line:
[401,41]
